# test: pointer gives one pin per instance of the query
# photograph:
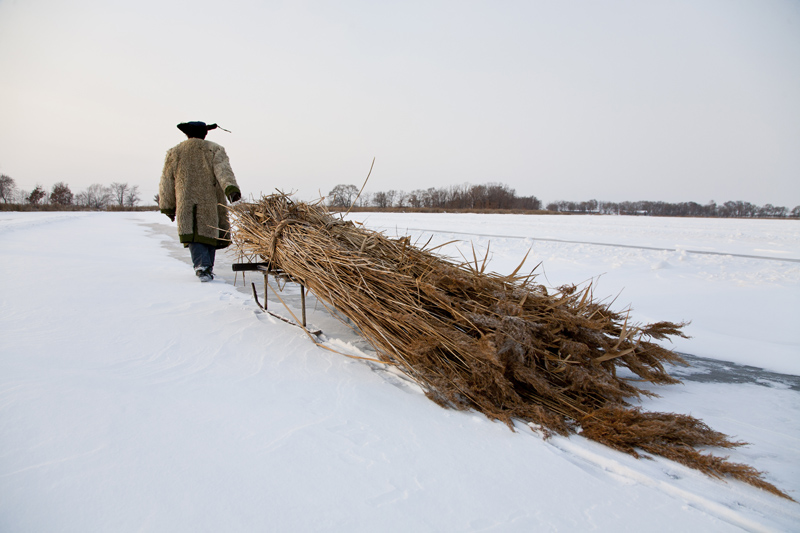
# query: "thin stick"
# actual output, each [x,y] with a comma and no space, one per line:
[362,188]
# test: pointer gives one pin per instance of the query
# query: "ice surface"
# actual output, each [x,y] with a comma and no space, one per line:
[134,398]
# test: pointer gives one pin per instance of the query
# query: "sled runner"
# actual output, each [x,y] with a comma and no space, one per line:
[267,269]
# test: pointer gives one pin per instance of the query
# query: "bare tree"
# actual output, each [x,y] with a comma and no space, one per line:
[458,196]
[436,197]
[342,195]
[132,196]
[7,188]
[363,200]
[95,196]
[415,198]
[118,192]
[380,199]
[390,196]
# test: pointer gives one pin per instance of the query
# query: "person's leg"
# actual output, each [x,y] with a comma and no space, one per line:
[202,258]
[212,253]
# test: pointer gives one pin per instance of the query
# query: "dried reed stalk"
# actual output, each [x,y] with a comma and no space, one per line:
[501,345]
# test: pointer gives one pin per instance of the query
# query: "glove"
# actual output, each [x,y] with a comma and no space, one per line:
[235,196]
[171,217]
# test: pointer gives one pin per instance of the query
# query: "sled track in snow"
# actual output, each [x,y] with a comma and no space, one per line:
[612,245]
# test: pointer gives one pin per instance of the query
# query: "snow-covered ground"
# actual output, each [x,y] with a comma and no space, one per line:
[134,398]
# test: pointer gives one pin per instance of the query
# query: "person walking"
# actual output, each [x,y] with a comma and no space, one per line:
[196,180]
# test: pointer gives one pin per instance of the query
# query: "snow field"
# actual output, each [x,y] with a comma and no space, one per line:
[134,398]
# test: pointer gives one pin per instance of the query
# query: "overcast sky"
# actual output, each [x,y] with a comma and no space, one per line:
[615,100]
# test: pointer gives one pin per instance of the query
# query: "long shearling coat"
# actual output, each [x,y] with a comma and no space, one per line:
[197,176]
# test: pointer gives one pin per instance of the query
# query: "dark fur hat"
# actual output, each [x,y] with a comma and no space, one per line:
[196,129]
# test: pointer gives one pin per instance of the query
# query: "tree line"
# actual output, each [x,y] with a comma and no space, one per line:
[489,196]
[96,196]
[732,209]
[500,196]
[466,196]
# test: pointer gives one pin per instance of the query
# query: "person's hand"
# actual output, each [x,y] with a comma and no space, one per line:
[171,216]
[235,196]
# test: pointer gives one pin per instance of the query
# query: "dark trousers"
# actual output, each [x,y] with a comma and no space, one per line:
[202,256]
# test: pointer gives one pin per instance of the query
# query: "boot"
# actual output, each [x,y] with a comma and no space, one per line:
[205,275]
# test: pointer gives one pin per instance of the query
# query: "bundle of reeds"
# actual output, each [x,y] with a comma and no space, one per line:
[502,345]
